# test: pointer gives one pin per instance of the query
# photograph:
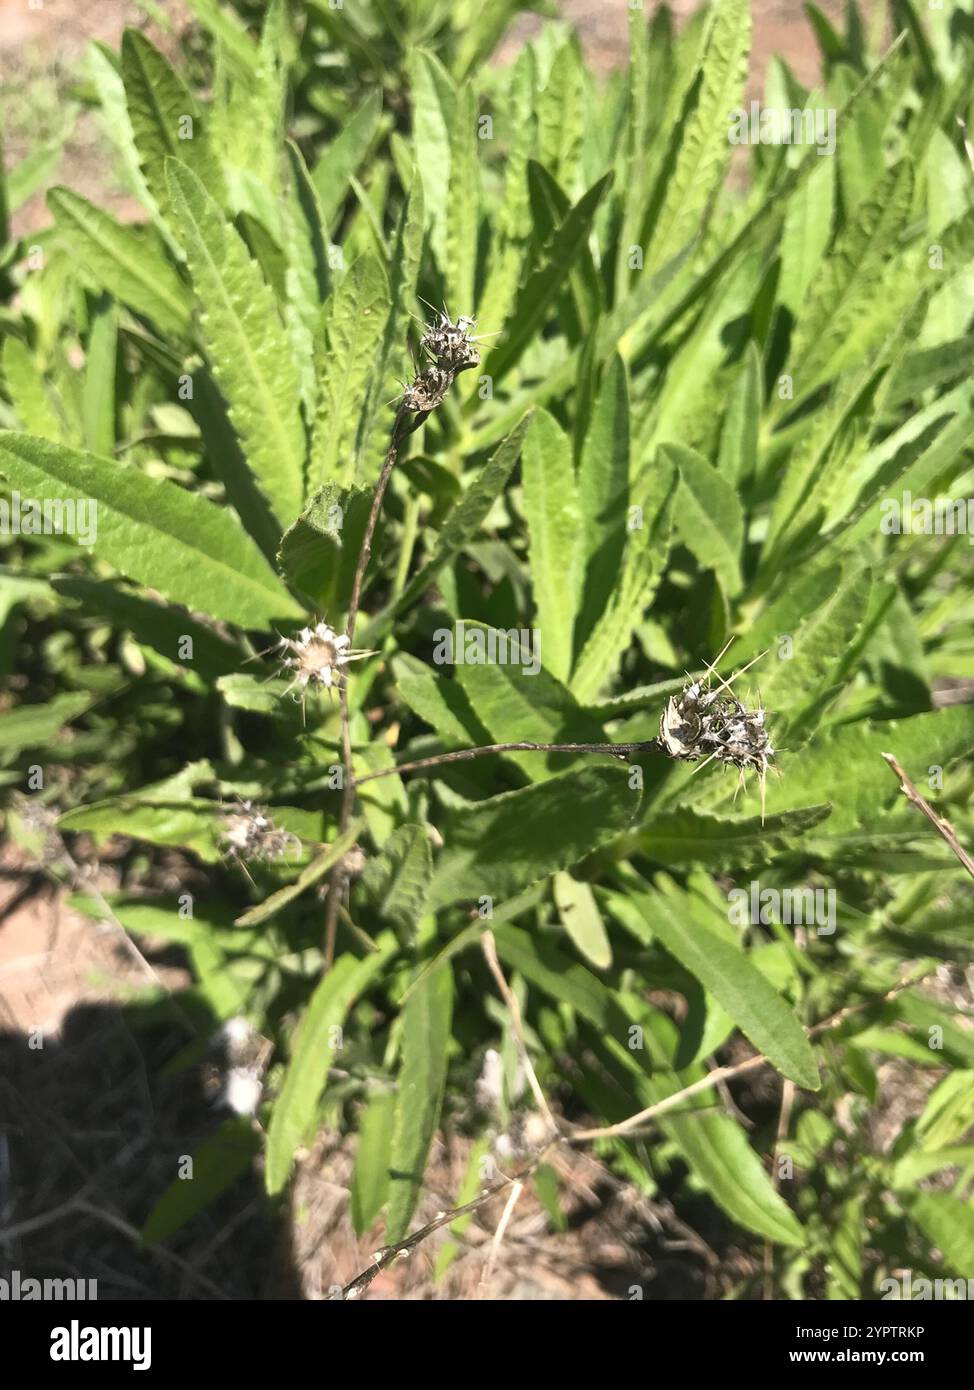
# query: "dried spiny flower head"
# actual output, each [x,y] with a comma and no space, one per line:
[317,657]
[743,740]
[449,344]
[711,723]
[249,833]
[428,390]
[451,350]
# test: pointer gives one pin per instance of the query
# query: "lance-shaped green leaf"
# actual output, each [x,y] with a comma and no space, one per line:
[370,1181]
[485,27]
[696,383]
[422,1077]
[536,298]
[222,447]
[514,215]
[266,98]
[113,112]
[224,990]
[709,518]
[151,530]
[603,489]
[433,107]
[312,1049]
[805,235]
[515,700]
[166,119]
[306,275]
[647,549]
[128,263]
[692,837]
[549,205]
[397,880]
[846,295]
[739,435]
[700,145]
[723,1161]
[37,726]
[819,474]
[561,115]
[28,391]
[631,157]
[98,391]
[907,1171]
[440,702]
[356,321]
[796,600]
[815,664]
[845,765]
[487,852]
[343,156]
[217,1165]
[916,468]
[757,1009]
[192,823]
[579,914]
[948,1223]
[246,343]
[463,205]
[847,1236]
[405,255]
[551,509]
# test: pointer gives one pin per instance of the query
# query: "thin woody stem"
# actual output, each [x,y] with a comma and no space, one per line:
[337,881]
[389,463]
[502,1225]
[489,947]
[383,1258]
[942,826]
[615,750]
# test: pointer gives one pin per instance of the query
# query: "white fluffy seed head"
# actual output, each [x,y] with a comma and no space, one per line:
[243,1091]
[237,1031]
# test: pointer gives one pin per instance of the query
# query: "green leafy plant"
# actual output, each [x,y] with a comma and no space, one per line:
[693,384]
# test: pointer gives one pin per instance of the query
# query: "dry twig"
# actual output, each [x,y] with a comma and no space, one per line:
[942,826]
[489,948]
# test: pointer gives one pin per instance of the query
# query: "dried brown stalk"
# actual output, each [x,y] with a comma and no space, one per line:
[942,826]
